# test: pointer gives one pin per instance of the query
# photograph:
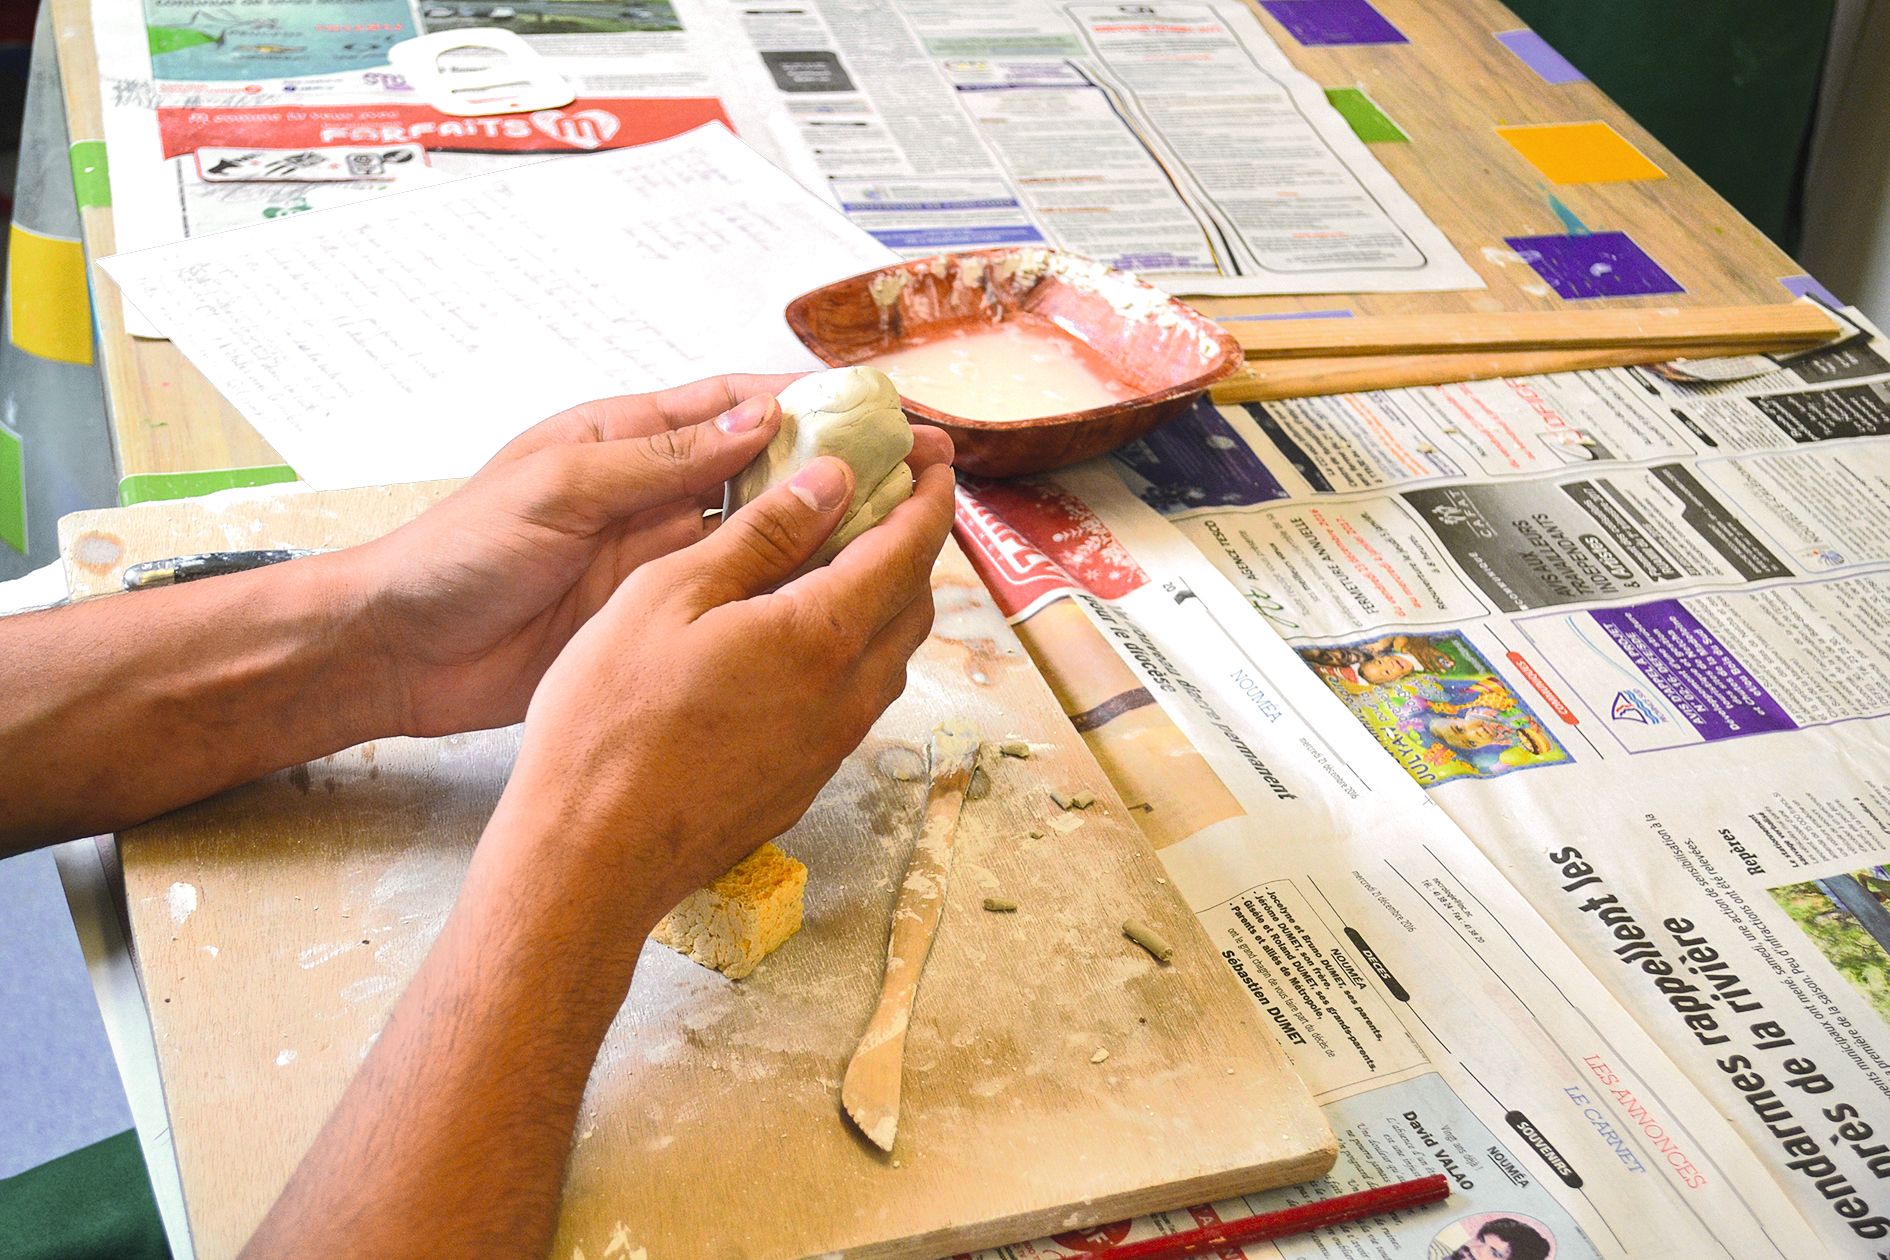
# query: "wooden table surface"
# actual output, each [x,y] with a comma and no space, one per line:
[1447,89]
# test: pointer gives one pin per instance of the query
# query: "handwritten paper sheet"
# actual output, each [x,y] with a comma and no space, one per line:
[412,336]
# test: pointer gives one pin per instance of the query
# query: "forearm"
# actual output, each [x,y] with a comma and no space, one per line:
[120,709]
[465,1107]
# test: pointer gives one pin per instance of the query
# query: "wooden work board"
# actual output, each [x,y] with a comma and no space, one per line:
[275,926]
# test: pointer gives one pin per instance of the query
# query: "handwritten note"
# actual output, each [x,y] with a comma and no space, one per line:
[412,336]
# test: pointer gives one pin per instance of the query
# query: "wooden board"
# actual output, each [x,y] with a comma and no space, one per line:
[1448,89]
[275,926]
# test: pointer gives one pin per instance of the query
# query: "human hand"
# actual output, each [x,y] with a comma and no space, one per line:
[702,709]
[470,603]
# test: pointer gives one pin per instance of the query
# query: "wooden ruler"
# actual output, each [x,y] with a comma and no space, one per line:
[1680,331]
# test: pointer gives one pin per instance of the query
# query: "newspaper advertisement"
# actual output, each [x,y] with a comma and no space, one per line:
[191,87]
[1626,635]
[1174,140]
[1438,1019]
[1170,139]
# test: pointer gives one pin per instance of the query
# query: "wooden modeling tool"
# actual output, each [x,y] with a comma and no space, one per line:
[870,1092]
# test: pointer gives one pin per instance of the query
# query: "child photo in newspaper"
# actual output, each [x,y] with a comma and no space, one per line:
[1493,1236]
[1436,704]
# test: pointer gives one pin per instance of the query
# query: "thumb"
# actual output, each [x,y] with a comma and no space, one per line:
[583,487]
[763,543]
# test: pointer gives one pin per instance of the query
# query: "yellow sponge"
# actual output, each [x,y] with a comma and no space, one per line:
[742,917]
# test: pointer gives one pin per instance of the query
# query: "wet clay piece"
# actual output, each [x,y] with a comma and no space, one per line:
[852,413]
[1145,936]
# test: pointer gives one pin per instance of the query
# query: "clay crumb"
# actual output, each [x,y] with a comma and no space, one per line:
[1066,824]
[1035,834]
[979,787]
[1145,936]
[1015,748]
[1083,800]
[1099,1056]
[1000,905]
[1062,801]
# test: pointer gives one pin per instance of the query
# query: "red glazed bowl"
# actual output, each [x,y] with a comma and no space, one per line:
[1164,349]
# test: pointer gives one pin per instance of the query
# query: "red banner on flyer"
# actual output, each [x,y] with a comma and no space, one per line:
[580,127]
[1029,539]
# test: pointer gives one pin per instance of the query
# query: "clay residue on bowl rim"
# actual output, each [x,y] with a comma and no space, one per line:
[936,293]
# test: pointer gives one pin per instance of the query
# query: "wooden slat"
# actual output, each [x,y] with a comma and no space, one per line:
[1270,380]
[1678,331]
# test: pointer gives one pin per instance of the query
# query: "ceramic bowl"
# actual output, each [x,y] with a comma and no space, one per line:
[1164,349]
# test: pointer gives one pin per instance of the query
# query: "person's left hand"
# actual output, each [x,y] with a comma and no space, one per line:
[470,602]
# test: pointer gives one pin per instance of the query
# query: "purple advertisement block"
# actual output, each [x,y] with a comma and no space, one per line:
[1317,22]
[1808,286]
[1534,51]
[1600,264]
[1196,460]
[1693,669]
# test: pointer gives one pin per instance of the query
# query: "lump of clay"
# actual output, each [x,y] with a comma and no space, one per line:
[851,412]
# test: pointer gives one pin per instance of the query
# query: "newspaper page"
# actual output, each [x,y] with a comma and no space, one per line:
[1171,139]
[1627,634]
[1174,140]
[1439,1020]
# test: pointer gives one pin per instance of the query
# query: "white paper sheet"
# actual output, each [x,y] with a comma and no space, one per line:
[412,336]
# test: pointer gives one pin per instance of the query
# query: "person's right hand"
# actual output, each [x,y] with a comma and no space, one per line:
[702,709]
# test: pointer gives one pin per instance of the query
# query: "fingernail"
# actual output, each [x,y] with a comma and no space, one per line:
[821,485]
[747,414]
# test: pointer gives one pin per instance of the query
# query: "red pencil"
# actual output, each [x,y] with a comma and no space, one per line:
[1294,1220]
